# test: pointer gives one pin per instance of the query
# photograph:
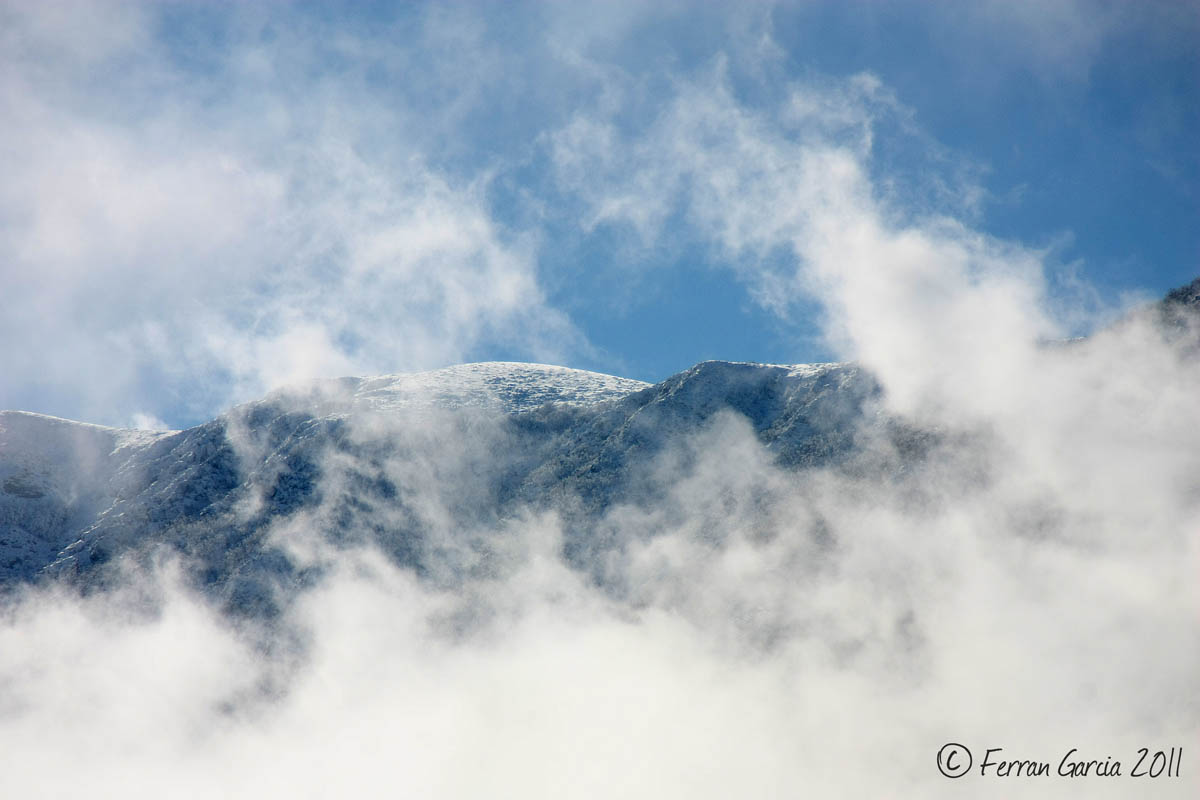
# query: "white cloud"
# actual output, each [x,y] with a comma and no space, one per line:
[800,178]
[172,233]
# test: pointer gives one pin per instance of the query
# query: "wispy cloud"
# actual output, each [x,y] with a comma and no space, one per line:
[182,234]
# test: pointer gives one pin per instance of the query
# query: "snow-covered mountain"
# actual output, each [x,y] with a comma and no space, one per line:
[357,458]
[56,478]
[428,467]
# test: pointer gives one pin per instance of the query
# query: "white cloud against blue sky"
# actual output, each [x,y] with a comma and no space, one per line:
[201,202]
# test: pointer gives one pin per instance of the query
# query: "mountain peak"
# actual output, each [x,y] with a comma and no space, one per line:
[500,385]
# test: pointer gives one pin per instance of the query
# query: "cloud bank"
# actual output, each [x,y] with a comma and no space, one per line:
[754,629]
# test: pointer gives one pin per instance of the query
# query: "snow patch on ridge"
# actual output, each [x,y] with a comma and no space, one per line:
[501,385]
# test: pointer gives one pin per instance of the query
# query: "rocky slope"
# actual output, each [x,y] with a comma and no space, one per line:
[358,460]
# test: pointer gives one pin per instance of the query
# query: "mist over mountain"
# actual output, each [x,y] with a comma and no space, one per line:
[356,459]
[773,559]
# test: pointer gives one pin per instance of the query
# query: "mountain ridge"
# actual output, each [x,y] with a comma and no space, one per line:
[426,467]
[528,434]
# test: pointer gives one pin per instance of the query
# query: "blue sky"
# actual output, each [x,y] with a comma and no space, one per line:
[205,201]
